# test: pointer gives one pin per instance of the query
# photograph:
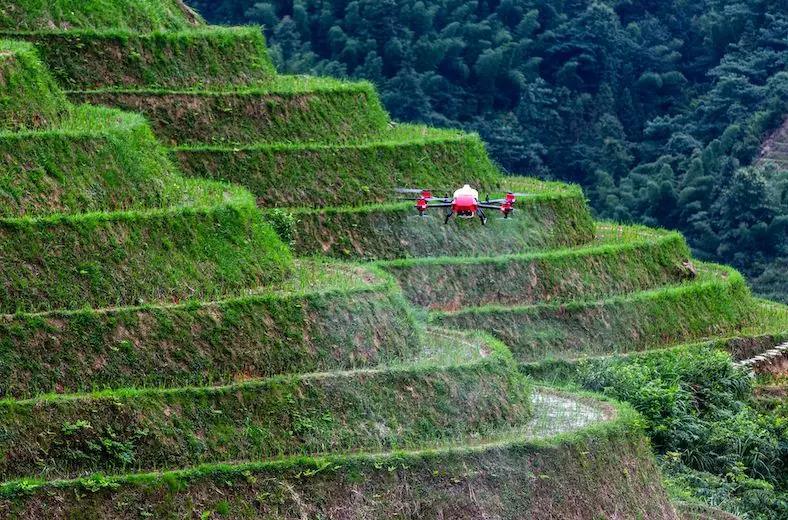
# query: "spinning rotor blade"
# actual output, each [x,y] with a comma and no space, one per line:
[502,200]
[417,194]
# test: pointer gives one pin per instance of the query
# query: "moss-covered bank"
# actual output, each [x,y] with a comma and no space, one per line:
[143,430]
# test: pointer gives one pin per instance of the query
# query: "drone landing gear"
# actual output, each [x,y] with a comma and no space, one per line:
[479,212]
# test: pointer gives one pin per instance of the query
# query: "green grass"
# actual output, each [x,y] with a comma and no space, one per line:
[323,174]
[142,234]
[29,98]
[765,327]
[136,15]
[512,477]
[81,159]
[549,218]
[633,259]
[206,57]
[291,109]
[769,317]
[717,303]
[95,160]
[324,317]
[125,258]
[142,430]
[154,322]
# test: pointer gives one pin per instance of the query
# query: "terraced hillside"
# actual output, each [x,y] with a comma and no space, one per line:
[163,354]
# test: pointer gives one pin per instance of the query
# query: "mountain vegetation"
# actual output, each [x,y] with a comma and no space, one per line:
[296,344]
[658,109]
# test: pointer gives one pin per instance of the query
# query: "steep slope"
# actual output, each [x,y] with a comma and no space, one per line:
[545,473]
[154,322]
[153,226]
[308,388]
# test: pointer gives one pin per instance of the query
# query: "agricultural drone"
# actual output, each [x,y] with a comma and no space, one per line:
[464,203]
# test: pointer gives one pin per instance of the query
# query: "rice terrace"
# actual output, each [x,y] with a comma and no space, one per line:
[230,292]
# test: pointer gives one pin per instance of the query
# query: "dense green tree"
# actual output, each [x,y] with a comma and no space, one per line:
[654,106]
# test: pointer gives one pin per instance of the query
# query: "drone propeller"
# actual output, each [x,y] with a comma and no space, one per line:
[410,190]
[516,194]
[506,197]
[422,194]
[414,193]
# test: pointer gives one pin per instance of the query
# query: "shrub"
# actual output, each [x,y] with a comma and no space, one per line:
[716,447]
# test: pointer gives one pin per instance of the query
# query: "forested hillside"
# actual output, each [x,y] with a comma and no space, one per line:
[656,107]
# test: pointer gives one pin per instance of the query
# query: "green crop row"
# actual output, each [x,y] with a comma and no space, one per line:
[29,98]
[141,430]
[388,231]
[348,174]
[126,258]
[718,302]
[326,317]
[135,15]
[557,476]
[206,57]
[291,109]
[96,160]
[609,266]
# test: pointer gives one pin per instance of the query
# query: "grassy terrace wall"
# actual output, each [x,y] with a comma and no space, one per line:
[389,231]
[28,96]
[622,260]
[326,318]
[154,236]
[347,174]
[602,471]
[94,160]
[151,323]
[142,430]
[206,57]
[717,303]
[762,329]
[137,15]
[291,109]
[127,258]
